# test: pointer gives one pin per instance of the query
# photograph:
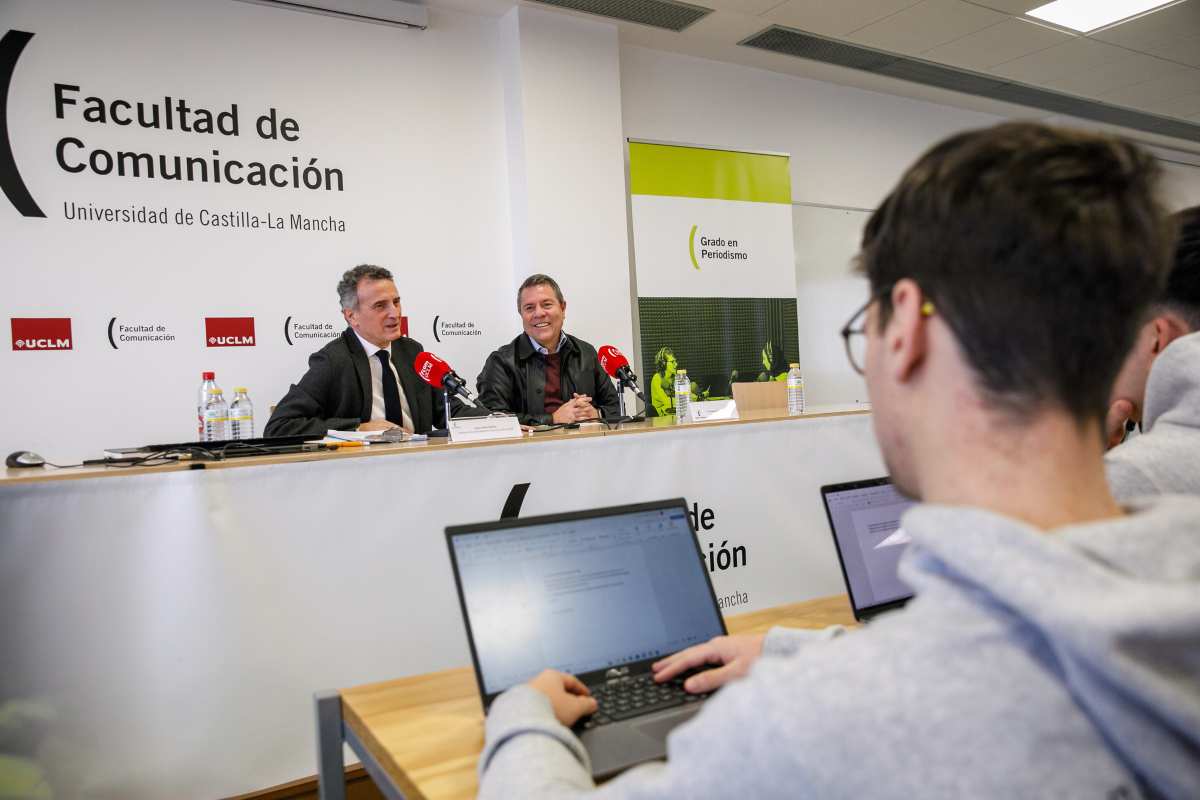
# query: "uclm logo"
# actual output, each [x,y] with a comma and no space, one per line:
[41,333]
[229,331]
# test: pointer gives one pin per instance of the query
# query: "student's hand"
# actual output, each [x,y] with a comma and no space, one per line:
[1119,413]
[377,425]
[568,696]
[736,654]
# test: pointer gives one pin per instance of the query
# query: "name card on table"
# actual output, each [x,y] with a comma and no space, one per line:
[484,429]
[712,410]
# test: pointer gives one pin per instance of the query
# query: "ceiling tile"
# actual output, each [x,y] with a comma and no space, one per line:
[997,44]
[834,18]
[926,25]
[725,26]
[1184,106]
[1072,57]
[740,6]
[1179,83]
[1132,69]
[1011,6]
[1183,48]
[1171,21]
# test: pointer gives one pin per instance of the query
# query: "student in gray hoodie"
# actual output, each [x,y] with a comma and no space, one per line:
[1159,385]
[1051,650]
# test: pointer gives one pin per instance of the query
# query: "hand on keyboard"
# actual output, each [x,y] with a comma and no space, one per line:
[733,655]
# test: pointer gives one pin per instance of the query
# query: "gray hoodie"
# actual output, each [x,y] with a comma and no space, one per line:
[1030,665]
[1166,457]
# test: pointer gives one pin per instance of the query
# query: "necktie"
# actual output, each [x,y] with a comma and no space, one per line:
[391,393]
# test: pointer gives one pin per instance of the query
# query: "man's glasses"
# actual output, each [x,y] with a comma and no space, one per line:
[854,335]
[854,332]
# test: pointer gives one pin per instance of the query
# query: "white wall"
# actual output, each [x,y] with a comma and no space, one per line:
[565,160]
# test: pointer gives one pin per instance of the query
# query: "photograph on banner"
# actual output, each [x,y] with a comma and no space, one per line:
[718,340]
[715,268]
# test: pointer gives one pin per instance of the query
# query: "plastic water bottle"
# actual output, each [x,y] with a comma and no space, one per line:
[795,390]
[241,415]
[208,382]
[683,396]
[216,417]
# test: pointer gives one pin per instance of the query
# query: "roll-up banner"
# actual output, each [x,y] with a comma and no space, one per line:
[715,267]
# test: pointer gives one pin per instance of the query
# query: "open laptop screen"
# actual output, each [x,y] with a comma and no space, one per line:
[865,517]
[581,592]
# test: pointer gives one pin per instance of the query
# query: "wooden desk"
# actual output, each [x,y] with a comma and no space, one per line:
[420,737]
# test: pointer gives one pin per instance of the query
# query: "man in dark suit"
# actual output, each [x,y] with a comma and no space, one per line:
[545,375]
[364,379]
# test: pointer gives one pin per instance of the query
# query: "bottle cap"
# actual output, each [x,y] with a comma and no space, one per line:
[208,376]
[682,371]
[216,391]
[792,365]
[239,388]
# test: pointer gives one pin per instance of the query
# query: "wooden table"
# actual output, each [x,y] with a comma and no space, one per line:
[420,737]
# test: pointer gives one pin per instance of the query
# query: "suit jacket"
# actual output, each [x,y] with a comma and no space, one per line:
[514,379]
[335,393]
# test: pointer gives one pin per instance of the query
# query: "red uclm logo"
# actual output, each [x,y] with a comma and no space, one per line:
[229,331]
[41,334]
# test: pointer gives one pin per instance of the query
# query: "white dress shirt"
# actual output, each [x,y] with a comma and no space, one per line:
[378,407]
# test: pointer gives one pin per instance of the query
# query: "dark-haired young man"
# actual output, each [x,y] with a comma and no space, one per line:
[1051,648]
[363,380]
[1159,386]
[546,375]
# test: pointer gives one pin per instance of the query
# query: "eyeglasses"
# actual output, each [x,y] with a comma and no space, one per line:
[854,332]
[854,335]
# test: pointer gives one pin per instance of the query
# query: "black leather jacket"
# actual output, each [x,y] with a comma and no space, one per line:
[514,380]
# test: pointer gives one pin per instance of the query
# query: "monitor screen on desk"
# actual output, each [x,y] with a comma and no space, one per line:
[583,593]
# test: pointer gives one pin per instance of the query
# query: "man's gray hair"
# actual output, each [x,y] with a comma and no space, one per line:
[538,279]
[347,287]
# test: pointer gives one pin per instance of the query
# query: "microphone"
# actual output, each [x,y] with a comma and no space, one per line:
[438,374]
[616,365]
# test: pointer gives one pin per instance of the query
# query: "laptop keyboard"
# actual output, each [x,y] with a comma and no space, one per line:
[634,695]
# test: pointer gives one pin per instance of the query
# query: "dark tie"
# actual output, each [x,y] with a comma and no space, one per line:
[391,393]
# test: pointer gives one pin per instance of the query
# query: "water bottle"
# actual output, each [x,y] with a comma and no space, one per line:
[216,417]
[683,396]
[208,382]
[795,390]
[241,415]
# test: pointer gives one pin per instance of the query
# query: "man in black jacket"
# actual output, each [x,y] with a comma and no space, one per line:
[364,379]
[545,375]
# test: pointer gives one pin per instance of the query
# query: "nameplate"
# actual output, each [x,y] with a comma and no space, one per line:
[712,410]
[484,429]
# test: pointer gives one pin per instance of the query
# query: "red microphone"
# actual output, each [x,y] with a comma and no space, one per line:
[438,374]
[616,365]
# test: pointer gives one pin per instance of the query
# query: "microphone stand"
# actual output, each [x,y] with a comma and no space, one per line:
[440,432]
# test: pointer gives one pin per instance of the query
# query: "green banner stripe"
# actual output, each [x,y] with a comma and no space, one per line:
[662,169]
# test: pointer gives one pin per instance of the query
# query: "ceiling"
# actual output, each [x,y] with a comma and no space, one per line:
[1150,64]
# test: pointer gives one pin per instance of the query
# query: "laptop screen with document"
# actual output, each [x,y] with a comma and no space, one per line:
[865,517]
[581,592]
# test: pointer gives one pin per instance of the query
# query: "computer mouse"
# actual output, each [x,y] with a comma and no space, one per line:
[24,458]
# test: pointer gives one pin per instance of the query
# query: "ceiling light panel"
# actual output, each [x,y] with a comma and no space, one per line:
[1089,15]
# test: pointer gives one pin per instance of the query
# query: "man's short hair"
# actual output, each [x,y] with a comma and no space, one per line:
[347,287]
[1182,295]
[538,279]
[1040,248]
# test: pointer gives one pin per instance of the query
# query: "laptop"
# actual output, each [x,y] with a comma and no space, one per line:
[865,519]
[600,594]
